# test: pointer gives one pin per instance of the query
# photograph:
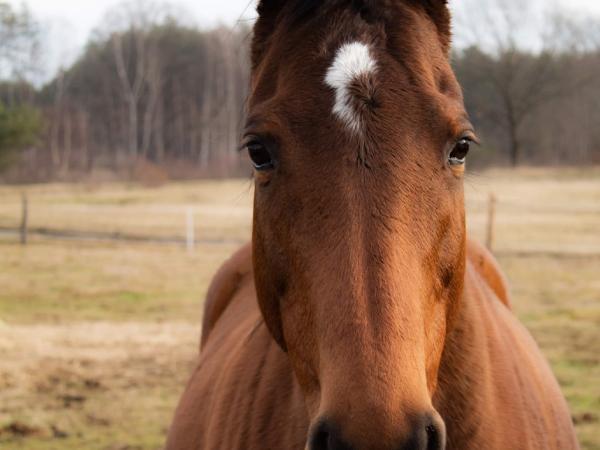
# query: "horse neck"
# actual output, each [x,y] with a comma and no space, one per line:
[465,377]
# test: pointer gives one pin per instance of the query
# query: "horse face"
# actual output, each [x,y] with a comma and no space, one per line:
[358,134]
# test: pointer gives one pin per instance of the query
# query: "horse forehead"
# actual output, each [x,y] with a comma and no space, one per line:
[351,60]
[351,75]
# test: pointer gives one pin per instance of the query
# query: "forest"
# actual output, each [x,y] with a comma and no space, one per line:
[153,94]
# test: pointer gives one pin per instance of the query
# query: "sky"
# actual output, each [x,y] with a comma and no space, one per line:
[68,23]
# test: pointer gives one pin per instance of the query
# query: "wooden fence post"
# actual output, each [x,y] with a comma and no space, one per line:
[24,218]
[491,218]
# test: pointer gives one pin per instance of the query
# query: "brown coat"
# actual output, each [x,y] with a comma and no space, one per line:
[495,389]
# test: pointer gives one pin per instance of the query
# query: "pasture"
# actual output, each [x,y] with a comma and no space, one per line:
[97,338]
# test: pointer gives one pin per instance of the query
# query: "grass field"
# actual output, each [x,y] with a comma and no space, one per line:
[97,338]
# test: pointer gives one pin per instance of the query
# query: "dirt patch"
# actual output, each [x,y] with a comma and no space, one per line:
[585,418]
[19,430]
[73,383]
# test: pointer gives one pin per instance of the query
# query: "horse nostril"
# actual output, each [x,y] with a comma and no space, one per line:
[325,437]
[429,434]
[436,434]
[320,440]
[433,439]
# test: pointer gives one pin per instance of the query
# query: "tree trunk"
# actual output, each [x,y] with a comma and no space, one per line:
[515,148]
[513,130]
[68,143]
[159,135]
[133,128]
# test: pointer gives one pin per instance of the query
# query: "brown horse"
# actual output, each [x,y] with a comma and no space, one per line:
[360,317]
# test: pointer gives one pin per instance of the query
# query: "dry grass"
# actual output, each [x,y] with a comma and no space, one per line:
[70,281]
[558,298]
[538,210]
[98,339]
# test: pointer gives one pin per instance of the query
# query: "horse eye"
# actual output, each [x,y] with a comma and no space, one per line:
[458,155]
[260,156]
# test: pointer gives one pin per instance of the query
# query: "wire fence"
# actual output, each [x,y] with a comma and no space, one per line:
[187,226]
[507,226]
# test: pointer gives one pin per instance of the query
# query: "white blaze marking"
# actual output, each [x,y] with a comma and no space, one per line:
[352,61]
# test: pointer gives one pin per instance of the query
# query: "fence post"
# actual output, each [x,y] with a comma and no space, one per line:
[491,218]
[24,218]
[190,230]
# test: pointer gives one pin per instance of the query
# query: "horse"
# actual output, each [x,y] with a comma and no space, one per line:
[361,317]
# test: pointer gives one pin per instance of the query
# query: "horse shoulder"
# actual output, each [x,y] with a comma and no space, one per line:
[488,268]
[226,282]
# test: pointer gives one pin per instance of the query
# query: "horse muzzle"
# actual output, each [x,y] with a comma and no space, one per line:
[428,433]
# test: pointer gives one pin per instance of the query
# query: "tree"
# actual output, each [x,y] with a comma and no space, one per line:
[519,80]
[19,42]
[138,64]
[154,89]
[19,128]
[19,123]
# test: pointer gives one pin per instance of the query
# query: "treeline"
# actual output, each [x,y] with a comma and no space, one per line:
[151,93]
[168,94]
[533,108]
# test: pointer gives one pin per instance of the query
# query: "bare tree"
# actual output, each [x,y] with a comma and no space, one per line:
[571,33]
[58,115]
[132,89]
[154,88]
[138,64]
[19,42]
[521,83]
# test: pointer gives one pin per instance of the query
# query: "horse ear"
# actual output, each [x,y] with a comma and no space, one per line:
[440,14]
[267,10]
